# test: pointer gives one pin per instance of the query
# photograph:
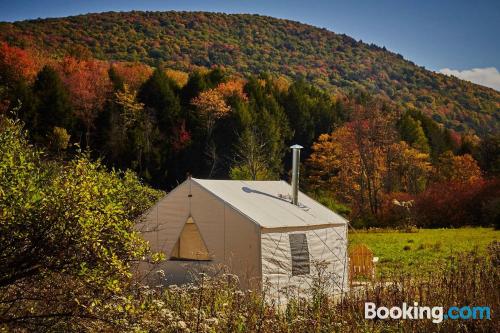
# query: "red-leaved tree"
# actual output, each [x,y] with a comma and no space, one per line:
[89,85]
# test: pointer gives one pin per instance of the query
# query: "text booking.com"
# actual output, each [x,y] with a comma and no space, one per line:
[436,313]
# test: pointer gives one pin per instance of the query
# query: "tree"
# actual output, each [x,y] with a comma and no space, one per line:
[16,65]
[133,74]
[160,96]
[351,162]
[407,169]
[89,85]
[373,131]
[334,167]
[127,100]
[250,159]
[268,116]
[211,107]
[439,138]
[310,111]
[412,132]
[132,136]
[53,106]
[179,77]
[458,204]
[451,168]
[196,83]
[199,81]
[488,155]
[468,144]
[233,89]
[159,93]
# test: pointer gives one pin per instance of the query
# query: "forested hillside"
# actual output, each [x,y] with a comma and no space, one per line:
[363,149]
[252,44]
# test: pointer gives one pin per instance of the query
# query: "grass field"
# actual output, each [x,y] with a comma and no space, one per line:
[424,250]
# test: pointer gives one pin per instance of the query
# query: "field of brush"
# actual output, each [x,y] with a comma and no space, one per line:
[424,250]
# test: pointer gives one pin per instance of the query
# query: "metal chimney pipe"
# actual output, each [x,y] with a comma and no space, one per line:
[295,173]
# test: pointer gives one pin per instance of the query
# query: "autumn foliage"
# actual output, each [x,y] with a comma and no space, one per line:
[388,182]
[362,160]
[361,151]
[17,64]
[251,45]
[89,85]
[455,204]
[133,74]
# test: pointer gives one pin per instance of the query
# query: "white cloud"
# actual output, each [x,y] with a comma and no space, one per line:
[488,76]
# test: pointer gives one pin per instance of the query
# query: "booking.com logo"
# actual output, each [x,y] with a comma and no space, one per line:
[436,313]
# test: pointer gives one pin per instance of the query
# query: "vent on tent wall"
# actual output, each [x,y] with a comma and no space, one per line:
[190,245]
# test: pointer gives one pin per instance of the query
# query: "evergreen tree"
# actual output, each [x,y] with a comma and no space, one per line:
[196,83]
[199,82]
[412,132]
[488,155]
[160,96]
[160,93]
[439,138]
[271,120]
[53,105]
[311,112]
[23,101]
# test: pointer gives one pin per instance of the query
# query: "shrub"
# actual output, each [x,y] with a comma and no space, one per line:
[451,204]
[457,204]
[59,139]
[66,233]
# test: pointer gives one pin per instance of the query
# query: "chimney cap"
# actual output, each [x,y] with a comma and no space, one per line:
[296,146]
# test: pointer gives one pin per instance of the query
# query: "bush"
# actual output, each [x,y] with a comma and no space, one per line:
[458,204]
[451,204]
[67,233]
[59,139]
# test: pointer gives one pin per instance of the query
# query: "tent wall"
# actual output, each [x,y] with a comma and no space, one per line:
[232,240]
[161,227]
[162,224]
[208,214]
[327,254]
[242,254]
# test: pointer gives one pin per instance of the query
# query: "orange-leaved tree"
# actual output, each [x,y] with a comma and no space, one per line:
[451,168]
[17,64]
[211,107]
[89,84]
[351,162]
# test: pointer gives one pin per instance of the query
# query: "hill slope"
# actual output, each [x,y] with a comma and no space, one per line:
[251,44]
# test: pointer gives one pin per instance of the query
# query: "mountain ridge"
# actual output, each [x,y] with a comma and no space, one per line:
[252,44]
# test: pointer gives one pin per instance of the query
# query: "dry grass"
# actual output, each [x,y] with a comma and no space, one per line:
[217,305]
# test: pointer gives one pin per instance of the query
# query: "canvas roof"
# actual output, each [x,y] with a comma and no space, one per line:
[268,203]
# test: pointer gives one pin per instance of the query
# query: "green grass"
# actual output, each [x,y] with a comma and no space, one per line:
[423,251]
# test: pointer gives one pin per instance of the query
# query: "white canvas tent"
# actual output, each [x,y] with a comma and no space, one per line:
[253,229]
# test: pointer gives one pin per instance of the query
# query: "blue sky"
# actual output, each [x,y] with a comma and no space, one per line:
[458,37]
